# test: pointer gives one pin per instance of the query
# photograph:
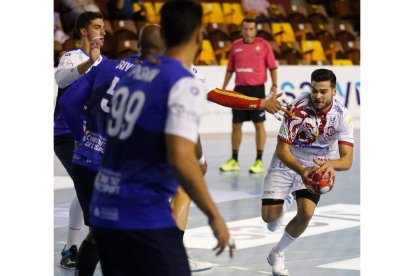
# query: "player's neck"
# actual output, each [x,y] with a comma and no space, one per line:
[84,45]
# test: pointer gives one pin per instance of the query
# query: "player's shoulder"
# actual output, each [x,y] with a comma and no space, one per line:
[340,108]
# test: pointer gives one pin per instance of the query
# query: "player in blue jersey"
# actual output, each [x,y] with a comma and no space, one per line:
[72,65]
[94,90]
[152,136]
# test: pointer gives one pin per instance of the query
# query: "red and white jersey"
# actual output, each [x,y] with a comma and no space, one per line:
[316,135]
[66,72]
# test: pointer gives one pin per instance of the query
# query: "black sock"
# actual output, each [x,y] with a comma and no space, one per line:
[259,155]
[235,154]
[182,234]
[87,259]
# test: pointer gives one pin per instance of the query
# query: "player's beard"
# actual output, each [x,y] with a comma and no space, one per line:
[321,106]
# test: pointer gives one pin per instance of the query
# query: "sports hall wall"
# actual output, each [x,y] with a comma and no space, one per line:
[292,81]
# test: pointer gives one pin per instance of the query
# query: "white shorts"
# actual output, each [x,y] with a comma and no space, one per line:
[280,181]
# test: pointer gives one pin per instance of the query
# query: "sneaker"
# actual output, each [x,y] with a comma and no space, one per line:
[231,165]
[274,225]
[257,167]
[69,257]
[277,260]
[197,265]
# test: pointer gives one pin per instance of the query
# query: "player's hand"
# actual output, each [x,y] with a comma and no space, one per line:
[204,168]
[95,48]
[305,176]
[274,106]
[222,235]
[325,165]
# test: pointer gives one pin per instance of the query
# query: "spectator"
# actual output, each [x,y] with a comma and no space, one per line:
[59,35]
[128,9]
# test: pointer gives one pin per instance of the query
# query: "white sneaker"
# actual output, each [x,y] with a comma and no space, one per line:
[277,260]
[274,225]
[197,265]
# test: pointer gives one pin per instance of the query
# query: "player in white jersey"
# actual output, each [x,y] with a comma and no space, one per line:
[312,134]
[73,65]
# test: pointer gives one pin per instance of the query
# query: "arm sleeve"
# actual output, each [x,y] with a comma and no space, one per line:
[66,72]
[270,57]
[72,101]
[185,106]
[233,99]
[346,131]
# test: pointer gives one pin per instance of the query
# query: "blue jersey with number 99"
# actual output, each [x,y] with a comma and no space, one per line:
[135,182]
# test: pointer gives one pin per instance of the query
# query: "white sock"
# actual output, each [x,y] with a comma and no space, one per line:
[75,222]
[285,242]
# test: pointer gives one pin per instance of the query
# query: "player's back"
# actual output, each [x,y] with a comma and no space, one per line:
[135,170]
[101,82]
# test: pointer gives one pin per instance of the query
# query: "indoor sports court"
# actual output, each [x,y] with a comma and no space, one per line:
[330,246]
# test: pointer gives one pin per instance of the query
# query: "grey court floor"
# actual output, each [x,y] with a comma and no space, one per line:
[330,246]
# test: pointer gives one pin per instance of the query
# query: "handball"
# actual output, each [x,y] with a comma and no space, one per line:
[319,184]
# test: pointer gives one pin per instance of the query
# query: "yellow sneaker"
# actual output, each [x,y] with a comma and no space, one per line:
[230,166]
[257,167]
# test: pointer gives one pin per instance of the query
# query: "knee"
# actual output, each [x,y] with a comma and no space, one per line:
[269,214]
[237,127]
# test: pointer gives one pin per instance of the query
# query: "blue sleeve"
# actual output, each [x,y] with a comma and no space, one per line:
[72,101]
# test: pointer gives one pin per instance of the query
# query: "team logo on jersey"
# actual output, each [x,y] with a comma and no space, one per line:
[238,50]
[258,48]
[330,131]
[332,120]
[338,109]
[67,54]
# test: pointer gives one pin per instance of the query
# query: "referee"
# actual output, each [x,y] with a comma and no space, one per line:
[249,57]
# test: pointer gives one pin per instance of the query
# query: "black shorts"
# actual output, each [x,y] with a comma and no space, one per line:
[256,116]
[306,194]
[64,146]
[83,178]
[142,252]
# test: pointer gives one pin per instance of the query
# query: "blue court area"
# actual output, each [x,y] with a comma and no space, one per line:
[330,246]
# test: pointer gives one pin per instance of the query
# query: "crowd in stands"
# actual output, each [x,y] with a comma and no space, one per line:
[300,32]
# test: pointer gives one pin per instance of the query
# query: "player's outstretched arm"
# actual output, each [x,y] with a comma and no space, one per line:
[182,158]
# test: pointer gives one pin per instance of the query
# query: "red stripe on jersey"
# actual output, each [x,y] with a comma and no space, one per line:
[233,99]
[346,143]
[282,139]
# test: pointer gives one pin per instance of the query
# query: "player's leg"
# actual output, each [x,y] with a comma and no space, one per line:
[277,197]
[63,148]
[180,204]
[88,256]
[306,203]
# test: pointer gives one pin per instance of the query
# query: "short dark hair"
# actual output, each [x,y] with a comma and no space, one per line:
[249,20]
[179,20]
[324,75]
[84,19]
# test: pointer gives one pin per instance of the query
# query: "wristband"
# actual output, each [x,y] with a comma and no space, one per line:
[202,160]
[274,84]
